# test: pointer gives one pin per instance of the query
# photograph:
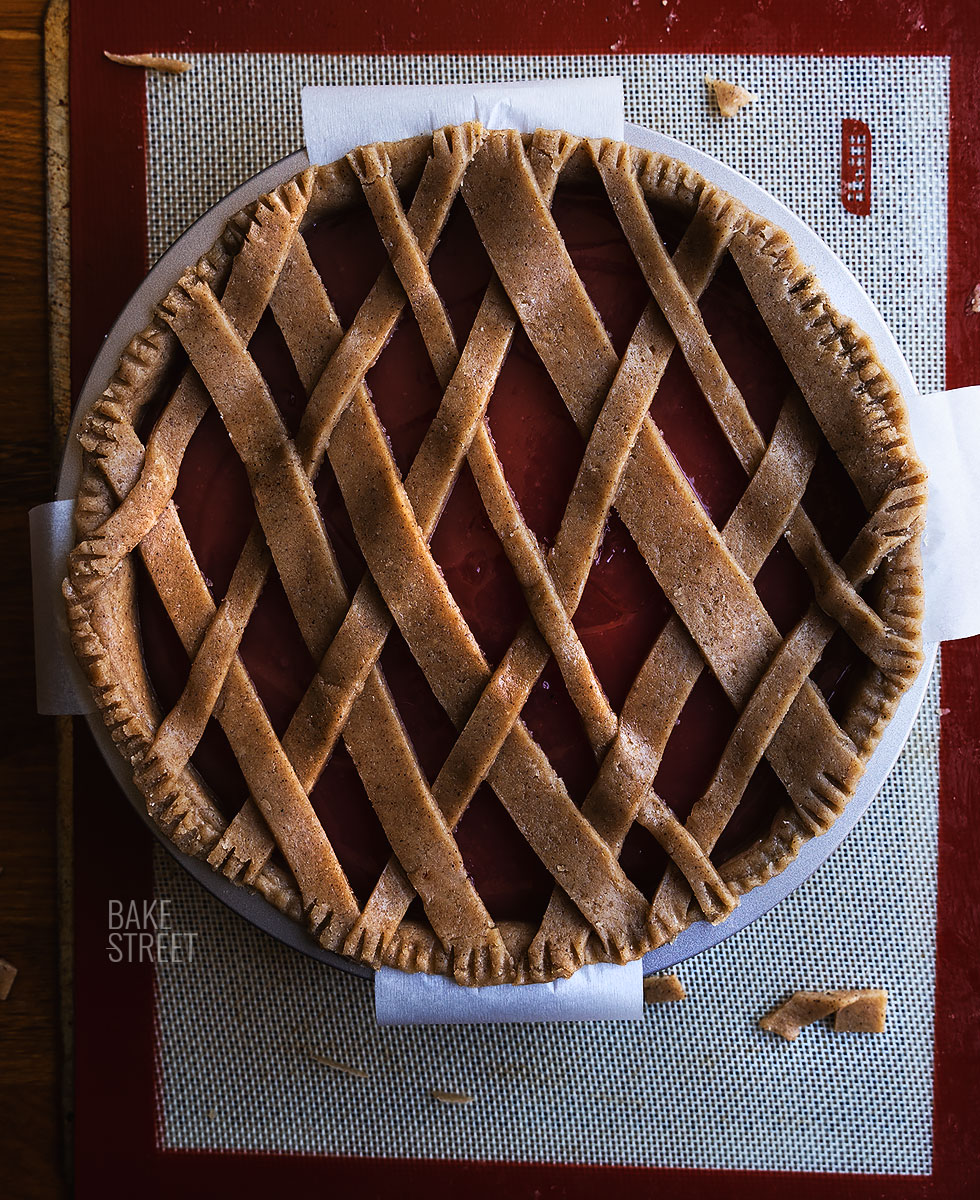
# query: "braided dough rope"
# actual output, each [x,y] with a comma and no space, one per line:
[608,919]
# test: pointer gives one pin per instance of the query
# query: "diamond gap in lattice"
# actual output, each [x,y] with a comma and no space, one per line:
[695,744]
[693,436]
[271,355]
[745,345]
[784,587]
[643,859]
[556,726]
[833,674]
[337,522]
[167,662]
[621,612]
[460,270]
[215,761]
[405,390]
[512,881]
[429,729]
[603,258]
[275,654]
[214,502]
[477,571]
[832,503]
[350,822]
[348,254]
[754,813]
[535,437]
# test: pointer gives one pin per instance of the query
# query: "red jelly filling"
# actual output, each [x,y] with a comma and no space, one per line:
[622,609]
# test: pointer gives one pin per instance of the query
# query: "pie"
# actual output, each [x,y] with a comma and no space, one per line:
[498,553]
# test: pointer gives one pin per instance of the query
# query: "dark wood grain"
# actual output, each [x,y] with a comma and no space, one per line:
[30,1160]
[30,1129]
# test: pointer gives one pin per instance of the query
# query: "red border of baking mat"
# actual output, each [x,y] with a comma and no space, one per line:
[114,1009]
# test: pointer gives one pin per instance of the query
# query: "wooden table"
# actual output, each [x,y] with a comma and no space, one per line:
[31,1138]
[30,1039]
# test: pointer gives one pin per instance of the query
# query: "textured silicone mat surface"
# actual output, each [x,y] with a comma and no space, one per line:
[694,1084]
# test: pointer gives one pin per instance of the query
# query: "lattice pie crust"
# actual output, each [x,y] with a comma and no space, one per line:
[125,511]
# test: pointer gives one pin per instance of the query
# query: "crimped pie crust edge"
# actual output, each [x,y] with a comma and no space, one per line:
[108,644]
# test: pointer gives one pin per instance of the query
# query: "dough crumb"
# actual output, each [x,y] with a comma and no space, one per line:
[729,97]
[339,1066]
[858,1010]
[659,989]
[8,973]
[973,304]
[450,1097]
[864,1014]
[153,62]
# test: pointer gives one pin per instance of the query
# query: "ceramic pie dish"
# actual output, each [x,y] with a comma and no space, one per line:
[498,553]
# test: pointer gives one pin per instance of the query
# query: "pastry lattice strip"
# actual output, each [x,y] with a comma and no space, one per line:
[220,366]
[218,374]
[428,310]
[818,803]
[311,337]
[297,807]
[436,360]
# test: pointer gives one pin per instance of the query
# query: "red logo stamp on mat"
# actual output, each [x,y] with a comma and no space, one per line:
[855,167]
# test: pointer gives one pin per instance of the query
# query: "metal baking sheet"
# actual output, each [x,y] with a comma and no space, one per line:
[845,293]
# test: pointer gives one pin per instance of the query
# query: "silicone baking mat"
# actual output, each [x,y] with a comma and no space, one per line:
[231,1038]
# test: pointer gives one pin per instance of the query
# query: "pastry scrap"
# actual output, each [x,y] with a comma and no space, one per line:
[661,989]
[450,1097]
[8,973]
[858,1010]
[194,358]
[729,97]
[152,62]
[973,304]
[339,1066]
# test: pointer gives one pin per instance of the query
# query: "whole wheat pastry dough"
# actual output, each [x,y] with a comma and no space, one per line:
[126,512]
[729,97]
[152,62]
[662,989]
[855,1010]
